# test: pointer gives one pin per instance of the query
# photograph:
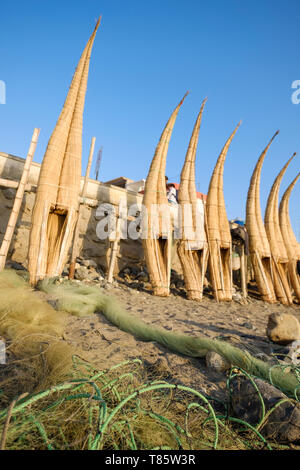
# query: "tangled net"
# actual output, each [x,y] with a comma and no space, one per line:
[52,399]
[113,409]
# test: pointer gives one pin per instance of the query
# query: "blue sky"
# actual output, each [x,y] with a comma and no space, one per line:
[242,55]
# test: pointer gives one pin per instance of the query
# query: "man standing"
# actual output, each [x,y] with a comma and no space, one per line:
[171,192]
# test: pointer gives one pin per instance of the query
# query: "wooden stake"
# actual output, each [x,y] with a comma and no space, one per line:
[243,272]
[18,201]
[42,240]
[221,267]
[114,251]
[15,184]
[212,275]
[76,233]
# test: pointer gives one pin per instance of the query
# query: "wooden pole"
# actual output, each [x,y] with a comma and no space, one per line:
[32,188]
[42,241]
[114,251]
[18,200]
[15,184]
[243,272]
[212,274]
[76,234]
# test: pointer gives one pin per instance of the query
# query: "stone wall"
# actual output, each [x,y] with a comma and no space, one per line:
[131,251]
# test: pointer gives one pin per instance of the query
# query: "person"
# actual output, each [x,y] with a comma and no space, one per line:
[171,193]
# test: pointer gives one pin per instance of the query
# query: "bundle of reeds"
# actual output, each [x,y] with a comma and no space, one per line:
[56,206]
[157,232]
[218,231]
[192,248]
[291,244]
[259,247]
[277,246]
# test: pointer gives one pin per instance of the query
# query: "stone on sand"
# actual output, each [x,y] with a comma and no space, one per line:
[216,362]
[283,328]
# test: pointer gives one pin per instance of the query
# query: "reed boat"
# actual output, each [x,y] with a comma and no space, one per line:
[259,247]
[156,225]
[291,244]
[56,205]
[218,231]
[192,247]
[278,250]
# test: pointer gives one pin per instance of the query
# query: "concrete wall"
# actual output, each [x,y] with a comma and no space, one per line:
[131,251]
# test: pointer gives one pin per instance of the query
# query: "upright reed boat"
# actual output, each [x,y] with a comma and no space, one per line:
[278,251]
[56,205]
[259,246]
[291,244]
[192,247]
[218,231]
[157,231]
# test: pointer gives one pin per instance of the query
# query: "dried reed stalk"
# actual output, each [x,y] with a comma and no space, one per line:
[192,248]
[291,244]
[218,231]
[59,181]
[278,251]
[18,200]
[157,246]
[259,247]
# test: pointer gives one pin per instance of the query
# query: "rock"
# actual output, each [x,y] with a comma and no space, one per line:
[294,352]
[217,362]
[148,285]
[175,275]
[89,263]
[15,265]
[248,325]
[100,272]
[283,328]
[282,425]
[144,277]
[65,271]
[81,273]
[237,297]
[134,270]
[94,275]
[179,283]
[125,271]
[264,357]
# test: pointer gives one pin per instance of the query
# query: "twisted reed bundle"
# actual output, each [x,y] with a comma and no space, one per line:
[56,205]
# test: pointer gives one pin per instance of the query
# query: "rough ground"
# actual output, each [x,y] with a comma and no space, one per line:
[243,325]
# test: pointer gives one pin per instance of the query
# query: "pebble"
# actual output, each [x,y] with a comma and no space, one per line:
[216,362]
